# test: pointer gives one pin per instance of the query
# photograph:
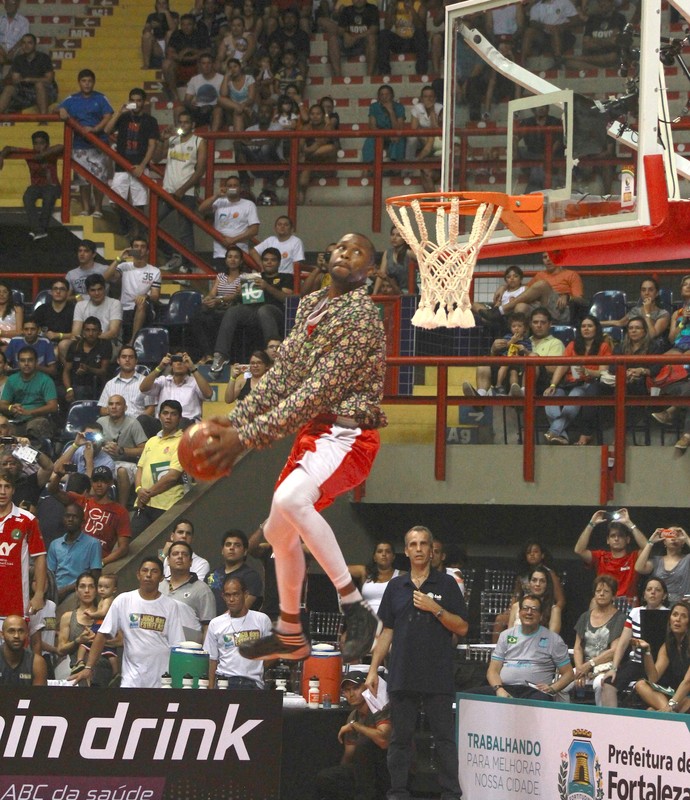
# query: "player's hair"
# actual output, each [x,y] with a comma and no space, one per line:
[181,544]
[421,529]
[273,251]
[514,268]
[235,533]
[93,321]
[174,404]
[517,316]
[8,477]
[80,509]
[237,578]
[183,521]
[543,311]
[607,580]
[128,347]
[94,280]
[152,559]
[28,349]
[534,598]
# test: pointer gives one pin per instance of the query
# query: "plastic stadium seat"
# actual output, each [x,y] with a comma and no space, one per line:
[610,304]
[182,305]
[42,297]
[614,332]
[665,298]
[151,345]
[81,413]
[566,333]
[18,297]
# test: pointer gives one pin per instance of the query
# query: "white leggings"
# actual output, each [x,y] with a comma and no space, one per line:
[294,519]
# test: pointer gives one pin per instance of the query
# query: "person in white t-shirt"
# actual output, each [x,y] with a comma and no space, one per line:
[108,310]
[184,532]
[290,246]
[141,285]
[227,632]
[202,92]
[235,219]
[150,626]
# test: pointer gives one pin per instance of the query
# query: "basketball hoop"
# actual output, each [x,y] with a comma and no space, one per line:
[447,266]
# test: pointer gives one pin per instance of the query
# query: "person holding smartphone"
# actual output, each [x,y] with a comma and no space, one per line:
[616,561]
[184,383]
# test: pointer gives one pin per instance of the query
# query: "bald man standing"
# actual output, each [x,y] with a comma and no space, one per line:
[19,666]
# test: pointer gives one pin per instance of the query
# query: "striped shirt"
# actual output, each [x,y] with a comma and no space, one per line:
[129,389]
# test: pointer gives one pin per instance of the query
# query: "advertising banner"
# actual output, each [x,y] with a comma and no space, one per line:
[519,749]
[139,744]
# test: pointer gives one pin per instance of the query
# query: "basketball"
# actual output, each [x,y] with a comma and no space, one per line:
[194,438]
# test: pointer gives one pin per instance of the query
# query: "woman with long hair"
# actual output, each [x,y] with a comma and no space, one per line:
[395,265]
[656,318]
[596,636]
[535,554]
[374,576]
[668,679]
[624,670]
[11,315]
[540,584]
[673,566]
[76,629]
[314,150]
[245,378]
[577,381]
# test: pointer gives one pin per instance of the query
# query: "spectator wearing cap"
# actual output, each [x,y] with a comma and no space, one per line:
[86,451]
[362,772]
[104,519]
[73,553]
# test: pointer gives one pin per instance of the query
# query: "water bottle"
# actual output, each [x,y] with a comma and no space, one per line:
[326,701]
[166,681]
[187,681]
[203,682]
[222,683]
[314,694]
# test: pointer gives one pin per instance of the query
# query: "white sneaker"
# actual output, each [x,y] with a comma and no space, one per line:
[516,390]
[468,390]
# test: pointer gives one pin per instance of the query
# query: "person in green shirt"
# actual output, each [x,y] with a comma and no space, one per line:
[29,398]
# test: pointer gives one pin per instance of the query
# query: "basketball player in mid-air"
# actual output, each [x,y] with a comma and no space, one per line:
[327,383]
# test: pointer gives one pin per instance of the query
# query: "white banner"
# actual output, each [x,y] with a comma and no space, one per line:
[518,749]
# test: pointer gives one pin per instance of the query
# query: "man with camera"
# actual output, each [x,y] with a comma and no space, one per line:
[86,452]
[183,383]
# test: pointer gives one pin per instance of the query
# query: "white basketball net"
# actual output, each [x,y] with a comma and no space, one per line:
[447,266]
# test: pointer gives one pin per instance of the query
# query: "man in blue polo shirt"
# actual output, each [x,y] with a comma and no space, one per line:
[421,611]
[73,553]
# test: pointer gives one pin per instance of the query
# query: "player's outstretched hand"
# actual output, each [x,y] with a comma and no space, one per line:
[223,446]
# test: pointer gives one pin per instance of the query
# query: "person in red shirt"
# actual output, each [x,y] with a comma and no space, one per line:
[616,561]
[104,519]
[45,184]
[554,287]
[20,538]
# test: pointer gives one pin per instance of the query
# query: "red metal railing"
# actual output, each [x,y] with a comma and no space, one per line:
[619,401]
